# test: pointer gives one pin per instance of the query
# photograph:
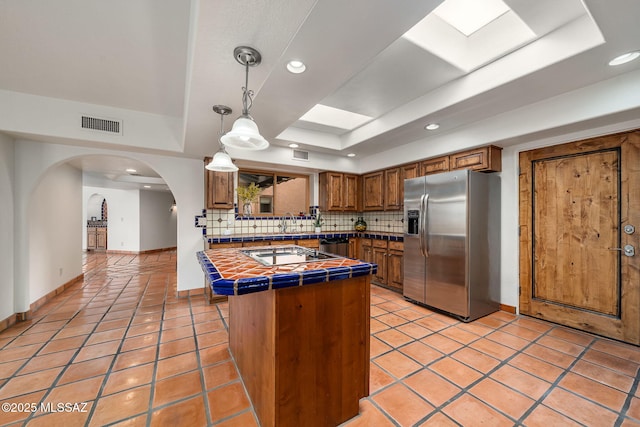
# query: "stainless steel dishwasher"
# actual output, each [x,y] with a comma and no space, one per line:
[335,245]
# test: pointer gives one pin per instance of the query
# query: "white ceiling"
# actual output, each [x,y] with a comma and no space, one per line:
[160,66]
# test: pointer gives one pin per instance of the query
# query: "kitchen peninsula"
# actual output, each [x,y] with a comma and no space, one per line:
[298,330]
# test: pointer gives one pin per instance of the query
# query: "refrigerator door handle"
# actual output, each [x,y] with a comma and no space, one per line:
[424,204]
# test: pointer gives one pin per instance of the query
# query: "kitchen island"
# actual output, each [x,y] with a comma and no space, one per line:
[298,330]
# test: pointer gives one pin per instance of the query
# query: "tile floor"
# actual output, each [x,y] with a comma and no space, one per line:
[126,351]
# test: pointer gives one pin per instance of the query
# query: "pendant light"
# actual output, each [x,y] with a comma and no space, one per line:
[221,160]
[244,134]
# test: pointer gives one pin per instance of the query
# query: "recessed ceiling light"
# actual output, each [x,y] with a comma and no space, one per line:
[294,145]
[623,59]
[130,170]
[351,155]
[432,126]
[296,67]
[146,186]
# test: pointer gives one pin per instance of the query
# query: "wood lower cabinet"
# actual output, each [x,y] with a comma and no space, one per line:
[395,257]
[380,258]
[484,159]
[373,191]
[309,243]
[96,238]
[219,187]
[388,256]
[366,250]
[352,251]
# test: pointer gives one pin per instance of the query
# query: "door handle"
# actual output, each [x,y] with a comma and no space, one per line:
[424,242]
[628,250]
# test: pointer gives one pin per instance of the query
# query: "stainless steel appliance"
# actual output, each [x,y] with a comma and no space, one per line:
[452,242]
[335,245]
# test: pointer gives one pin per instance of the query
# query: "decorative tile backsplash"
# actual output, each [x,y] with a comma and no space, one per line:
[227,222]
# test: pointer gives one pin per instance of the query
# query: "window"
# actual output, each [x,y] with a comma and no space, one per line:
[280,193]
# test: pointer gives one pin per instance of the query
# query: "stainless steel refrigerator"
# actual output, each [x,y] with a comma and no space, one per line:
[452,242]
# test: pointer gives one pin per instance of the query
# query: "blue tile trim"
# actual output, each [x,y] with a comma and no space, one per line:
[221,286]
[276,237]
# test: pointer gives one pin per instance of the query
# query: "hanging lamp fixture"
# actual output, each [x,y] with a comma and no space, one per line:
[221,161]
[244,134]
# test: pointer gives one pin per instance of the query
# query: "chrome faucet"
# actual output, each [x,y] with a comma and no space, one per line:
[283,223]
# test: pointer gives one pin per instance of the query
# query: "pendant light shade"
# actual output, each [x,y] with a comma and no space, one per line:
[221,161]
[244,133]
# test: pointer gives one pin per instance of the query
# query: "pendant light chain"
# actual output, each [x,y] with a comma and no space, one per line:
[247,95]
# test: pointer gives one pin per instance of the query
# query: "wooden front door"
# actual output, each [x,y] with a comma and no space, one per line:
[578,203]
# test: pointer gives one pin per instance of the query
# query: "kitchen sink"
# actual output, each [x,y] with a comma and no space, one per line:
[290,254]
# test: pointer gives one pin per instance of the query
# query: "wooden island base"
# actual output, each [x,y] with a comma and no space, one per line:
[303,352]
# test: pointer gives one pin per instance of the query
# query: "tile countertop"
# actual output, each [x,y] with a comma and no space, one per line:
[302,236]
[230,272]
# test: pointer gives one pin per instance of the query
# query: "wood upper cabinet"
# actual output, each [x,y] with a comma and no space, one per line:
[373,191]
[218,188]
[435,165]
[484,159]
[407,172]
[338,191]
[393,185]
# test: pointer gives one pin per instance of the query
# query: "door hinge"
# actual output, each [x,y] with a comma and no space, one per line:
[520,291]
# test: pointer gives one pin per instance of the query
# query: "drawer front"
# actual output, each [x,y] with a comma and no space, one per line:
[398,246]
[379,243]
[309,243]
[224,245]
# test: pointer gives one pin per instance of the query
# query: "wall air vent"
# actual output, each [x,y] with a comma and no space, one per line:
[102,125]
[300,155]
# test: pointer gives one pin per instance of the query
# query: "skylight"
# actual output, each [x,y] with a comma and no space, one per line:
[468,16]
[335,117]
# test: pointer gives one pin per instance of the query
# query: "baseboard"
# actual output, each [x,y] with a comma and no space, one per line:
[508,308]
[43,300]
[149,251]
[8,322]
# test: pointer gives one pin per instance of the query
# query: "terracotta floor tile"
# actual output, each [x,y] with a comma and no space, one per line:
[577,408]
[121,405]
[393,338]
[491,322]
[378,379]
[128,378]
[533,324]
[174,415]
[143,328]
[441,343]
[624,351]
[17,353]
[369,416]
[536,367]
[34,338]
[603,375]
[176,388]
[140,341]
[9,368]
[29,383]
[456,372]
[377,326]
[105,336]
[525,383]
[421,353]
[634,409]
[402,404]
[502,398]
[476,328]
[594,390]
[215,354]
[97,350]
[74,331]
[46,326]
[469,411]
[108,325]
[146,318]
[77,417]
[63,344]
[571,335]
[623,366]
[561,345]
[432,387]
[492,348]
[542,416]
[208,326]
[521,332]
[431,323]
[477,360]
[391,306]
[439,420]
[550,355]
[47,361]
[508,340]
[213,338]
[377,311]
[412,313]
[460,335]
[77,392]
[9,417]
[88,369]
[217,375]
[397,364]
[176,333]
[135,358]
[176,365]
[392,319]
[227,400]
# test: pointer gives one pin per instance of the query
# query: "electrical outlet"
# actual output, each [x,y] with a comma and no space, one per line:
[60,271]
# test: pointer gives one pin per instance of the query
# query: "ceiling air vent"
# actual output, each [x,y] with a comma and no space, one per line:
[300,155]
[102,125]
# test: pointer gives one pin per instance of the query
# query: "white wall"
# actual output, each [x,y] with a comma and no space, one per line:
[6,227]
[55,218]
[123,231]
[158,223]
